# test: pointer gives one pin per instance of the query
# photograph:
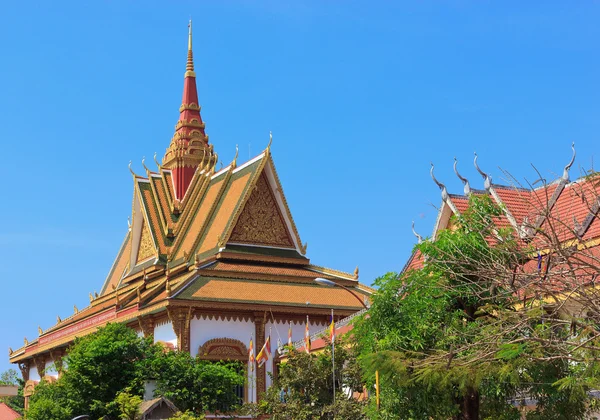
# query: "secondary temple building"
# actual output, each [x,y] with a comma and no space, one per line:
[211,258]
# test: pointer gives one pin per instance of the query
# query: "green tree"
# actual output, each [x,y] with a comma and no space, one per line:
[11,377]
[304,387]
[100,366]
[194,384]
[480,327]
[129,406]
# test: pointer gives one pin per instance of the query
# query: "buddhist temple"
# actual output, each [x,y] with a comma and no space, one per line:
[567,211]
[211,257]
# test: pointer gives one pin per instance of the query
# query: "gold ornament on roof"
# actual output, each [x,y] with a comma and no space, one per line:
[75,309]
[234,163]
[58,320]
[40,331]
[356,273]
[91,297]
[10,351]
[144,165]
[157,164]
[168,287]
[26,341]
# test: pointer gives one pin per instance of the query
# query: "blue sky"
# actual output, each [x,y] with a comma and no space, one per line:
[360,97]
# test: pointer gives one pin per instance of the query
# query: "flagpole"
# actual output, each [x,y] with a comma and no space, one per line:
[333,354]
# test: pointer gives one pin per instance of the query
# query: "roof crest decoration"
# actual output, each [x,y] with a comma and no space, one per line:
[565,176]
[487,179]
[419,237]
[441,186]
[465,181]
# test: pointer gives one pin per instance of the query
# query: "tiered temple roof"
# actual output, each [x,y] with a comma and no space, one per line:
[221,240]
[570,208]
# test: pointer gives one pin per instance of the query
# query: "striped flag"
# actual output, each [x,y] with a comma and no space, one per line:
[332,329]
[265,352]
[251,355]
[307,337]
[290,334]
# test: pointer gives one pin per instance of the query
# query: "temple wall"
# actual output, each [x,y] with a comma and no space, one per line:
[164,332]
[33,374]
[204,329]
[50,369]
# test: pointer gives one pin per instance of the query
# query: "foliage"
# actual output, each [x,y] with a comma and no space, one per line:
[304,387]
[196,385]
[11,377]
[129,406]
[468,336]
[106,374]
[188,415]
[50,401]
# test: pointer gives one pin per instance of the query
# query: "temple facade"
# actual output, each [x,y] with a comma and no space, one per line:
[211,257]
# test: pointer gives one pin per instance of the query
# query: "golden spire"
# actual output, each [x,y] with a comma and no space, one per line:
[190,57]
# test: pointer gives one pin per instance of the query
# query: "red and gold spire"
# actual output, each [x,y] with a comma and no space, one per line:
[189,146]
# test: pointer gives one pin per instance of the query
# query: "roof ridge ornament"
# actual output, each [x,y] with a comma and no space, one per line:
[441,186]
[565,176]
[158,165]
[487,179]
[465,181]
[419,237]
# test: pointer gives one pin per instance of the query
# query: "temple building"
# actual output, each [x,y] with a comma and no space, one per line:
[211,258]
[558,213]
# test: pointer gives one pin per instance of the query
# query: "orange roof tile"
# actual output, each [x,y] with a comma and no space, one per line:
[118,268]
[220,220]
[269,292]
[272,270]
[7,413]
[202,213]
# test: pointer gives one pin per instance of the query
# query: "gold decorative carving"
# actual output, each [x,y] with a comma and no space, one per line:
[356,273]
[24,368]
[28,388]
[261,221]
[146,249]
[147,325]
[40,364]
[180,320]
[223,349]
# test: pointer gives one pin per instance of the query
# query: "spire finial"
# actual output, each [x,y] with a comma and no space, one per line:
[465,181]
[439,184]
[565,176]
[189,69]
[487,180]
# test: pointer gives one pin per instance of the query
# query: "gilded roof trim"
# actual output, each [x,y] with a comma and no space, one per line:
[116,261]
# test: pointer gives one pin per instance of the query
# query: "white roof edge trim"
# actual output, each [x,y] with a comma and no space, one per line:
[250,162]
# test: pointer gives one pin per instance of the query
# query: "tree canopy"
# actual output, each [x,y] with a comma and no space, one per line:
[478,329]
[303,389]
[106,372]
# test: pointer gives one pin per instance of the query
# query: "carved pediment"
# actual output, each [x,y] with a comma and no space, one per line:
[223,349]
[261,221]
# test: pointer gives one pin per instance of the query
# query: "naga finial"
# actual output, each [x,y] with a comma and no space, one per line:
[441,186]
[487,180]
[144,165]
[40,331]
[128,223]
[356,273]
[10,351]
[465,181]
[58,320]
[131,170]
[419,237]
[270,140]
[26,341]
[234,163]
[158,165]
[565,176]
[91,297]
[75,309]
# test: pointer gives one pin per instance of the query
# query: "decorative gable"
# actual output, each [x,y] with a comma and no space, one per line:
[146,248]
[261,221]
